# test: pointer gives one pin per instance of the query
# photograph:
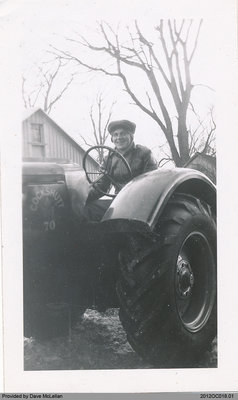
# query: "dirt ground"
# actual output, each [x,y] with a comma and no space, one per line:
[97,342]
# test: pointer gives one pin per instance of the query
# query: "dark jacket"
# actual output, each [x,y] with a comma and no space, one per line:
[138,157]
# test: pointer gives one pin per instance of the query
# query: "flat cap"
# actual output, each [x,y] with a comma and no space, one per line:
[124,123]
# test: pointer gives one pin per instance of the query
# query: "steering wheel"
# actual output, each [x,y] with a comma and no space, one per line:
[95,177]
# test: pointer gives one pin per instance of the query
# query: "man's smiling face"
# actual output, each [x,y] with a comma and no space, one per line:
[121,139]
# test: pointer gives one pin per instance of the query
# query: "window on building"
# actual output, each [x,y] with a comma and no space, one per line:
[37,141]
[37,136]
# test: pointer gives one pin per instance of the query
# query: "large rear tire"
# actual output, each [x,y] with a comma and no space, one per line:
[167,287]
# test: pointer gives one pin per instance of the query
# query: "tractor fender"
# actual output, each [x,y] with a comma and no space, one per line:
[141,202]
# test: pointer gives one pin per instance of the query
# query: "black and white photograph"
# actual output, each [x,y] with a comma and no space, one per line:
[117,269]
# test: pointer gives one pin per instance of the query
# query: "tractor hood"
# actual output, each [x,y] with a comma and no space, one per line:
[71,177]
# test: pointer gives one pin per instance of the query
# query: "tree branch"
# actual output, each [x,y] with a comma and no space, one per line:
[209,137]
[94,127]
[164,161]
[139,104]
[85,142]
[50,105]
[173,86]
[175,52]
[67,56]
[152,53]
[195,43]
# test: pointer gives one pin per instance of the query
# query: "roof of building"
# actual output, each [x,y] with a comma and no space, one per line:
[27,113]
[201,156]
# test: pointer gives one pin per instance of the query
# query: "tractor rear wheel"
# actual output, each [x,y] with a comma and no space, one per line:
[167,287]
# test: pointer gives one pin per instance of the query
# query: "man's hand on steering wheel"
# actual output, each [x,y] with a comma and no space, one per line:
[105,171]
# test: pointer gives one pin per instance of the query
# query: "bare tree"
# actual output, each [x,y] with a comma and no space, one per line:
[166,65]
[100,116]
[45,93]
[202,138]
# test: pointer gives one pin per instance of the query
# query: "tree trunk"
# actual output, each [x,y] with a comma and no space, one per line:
[183,138]
[174,152]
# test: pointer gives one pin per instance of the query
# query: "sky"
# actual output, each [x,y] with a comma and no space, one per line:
[41,26]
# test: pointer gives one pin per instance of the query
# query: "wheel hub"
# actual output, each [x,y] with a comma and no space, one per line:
[185,278]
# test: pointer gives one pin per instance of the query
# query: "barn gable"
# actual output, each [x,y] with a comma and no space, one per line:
[44,140]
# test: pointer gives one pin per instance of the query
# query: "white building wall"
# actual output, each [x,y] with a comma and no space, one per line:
[57,145]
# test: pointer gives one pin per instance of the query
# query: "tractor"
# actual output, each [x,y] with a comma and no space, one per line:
[152,255]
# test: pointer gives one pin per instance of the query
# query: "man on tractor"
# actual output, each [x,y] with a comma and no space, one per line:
[151,252]
[135,160]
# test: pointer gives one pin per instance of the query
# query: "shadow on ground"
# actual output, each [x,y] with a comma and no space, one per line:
[97,342]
